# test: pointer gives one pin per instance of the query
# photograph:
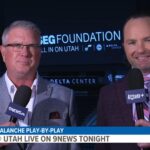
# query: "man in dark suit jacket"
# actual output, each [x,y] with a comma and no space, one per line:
[21,53]
[112,107]
[114,111]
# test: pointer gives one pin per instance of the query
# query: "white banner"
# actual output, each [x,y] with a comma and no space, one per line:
[29,138]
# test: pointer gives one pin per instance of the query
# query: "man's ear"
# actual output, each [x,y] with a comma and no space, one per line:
[2,51]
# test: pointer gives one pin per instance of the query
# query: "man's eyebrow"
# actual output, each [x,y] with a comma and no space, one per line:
[148,37]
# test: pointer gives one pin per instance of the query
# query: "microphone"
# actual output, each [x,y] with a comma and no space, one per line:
[136,93]
[17,109]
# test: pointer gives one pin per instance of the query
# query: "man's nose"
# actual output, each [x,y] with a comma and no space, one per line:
[25,50]
[141,47]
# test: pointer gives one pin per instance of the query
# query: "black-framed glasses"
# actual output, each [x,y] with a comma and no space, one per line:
[18,47]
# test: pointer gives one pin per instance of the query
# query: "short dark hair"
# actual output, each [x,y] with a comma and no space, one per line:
[136,15]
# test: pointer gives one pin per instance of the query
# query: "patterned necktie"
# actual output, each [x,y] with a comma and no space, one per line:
[146,104]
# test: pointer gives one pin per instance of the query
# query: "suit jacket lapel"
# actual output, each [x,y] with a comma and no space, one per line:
[127,108]
[44,91]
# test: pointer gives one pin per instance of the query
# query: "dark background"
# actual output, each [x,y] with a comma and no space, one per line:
[55,17]
[59,16]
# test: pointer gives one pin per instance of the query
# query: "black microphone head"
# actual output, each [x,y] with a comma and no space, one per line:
[21,98]
[22,95]
[135,79]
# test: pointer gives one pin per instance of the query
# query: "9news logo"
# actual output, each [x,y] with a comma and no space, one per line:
[135,96]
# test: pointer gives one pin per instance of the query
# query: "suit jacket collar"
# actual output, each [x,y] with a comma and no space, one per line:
[44,90]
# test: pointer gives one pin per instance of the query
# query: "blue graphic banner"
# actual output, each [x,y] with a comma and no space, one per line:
[76,130]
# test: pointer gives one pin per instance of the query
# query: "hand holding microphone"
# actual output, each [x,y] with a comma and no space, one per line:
[144,123]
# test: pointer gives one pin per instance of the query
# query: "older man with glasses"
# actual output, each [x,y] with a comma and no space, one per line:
[21,54]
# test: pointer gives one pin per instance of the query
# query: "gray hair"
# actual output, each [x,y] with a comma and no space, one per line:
[23,24]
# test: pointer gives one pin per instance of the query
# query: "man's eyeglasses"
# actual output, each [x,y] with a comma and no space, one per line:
[18,47]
